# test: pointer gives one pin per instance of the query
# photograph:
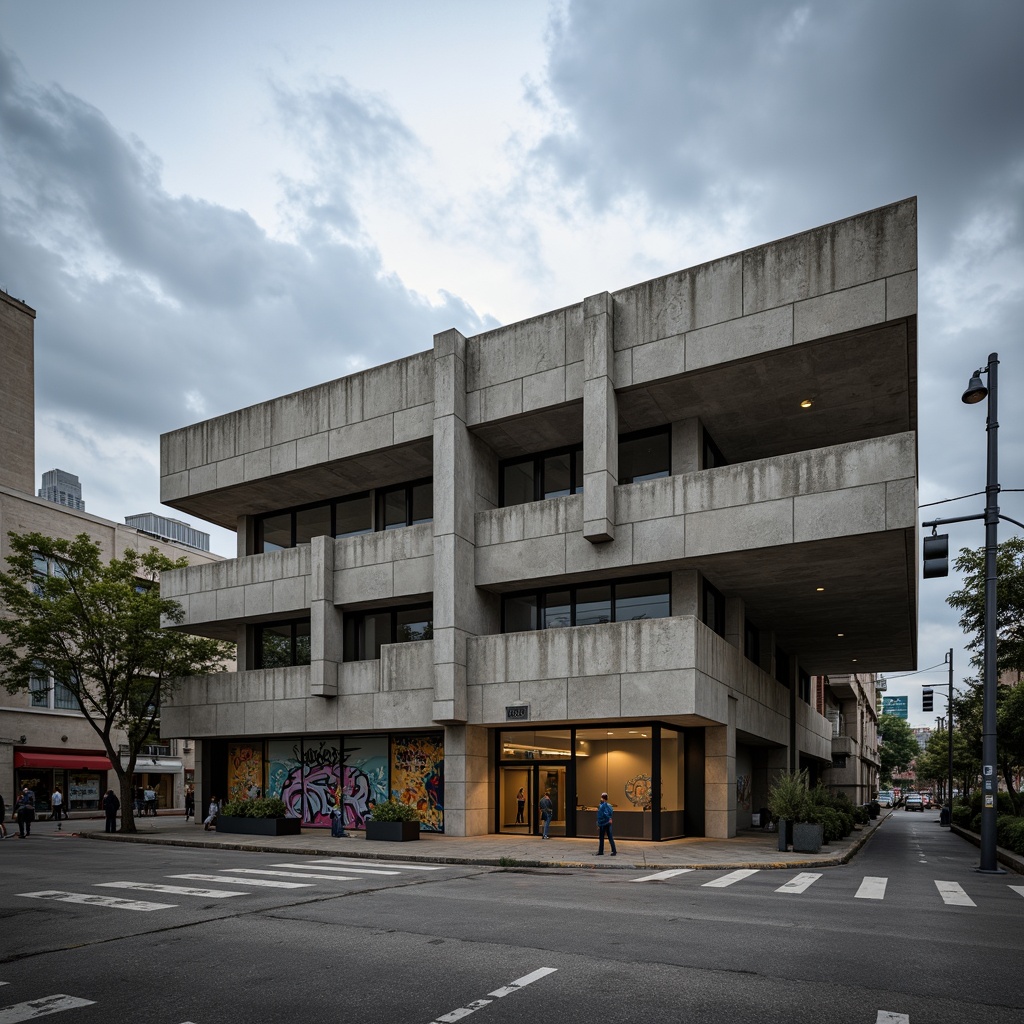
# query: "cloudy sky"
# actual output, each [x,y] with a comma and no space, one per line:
[213,204]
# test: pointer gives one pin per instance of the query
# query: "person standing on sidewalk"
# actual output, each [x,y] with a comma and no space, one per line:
[547,810]
[604,826]
[211,815]
[26,813]
[190,803]
[57,806]
[111,805]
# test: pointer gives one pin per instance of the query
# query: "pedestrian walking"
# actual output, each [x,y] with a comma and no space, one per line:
[57,806]
[190,803]
[604,826]
[211,814]
[520,805]
[547,811]
[3,816]
[25,812]
[111,805]
[150,798]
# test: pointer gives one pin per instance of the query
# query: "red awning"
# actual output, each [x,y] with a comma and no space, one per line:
[73,762]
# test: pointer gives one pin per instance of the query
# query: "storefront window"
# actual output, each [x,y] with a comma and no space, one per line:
[616,761]
[672,787]
[549,745]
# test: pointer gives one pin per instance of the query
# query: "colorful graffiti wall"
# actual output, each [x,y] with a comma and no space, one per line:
[245,770]
[417,776]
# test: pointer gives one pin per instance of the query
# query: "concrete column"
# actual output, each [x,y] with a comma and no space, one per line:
[600,420]
[325,640]
[245,536]
[720,777]
[793,676]
[686,592]
[459,609]
[467,790]
[735,621]
[766,644]
[686,446]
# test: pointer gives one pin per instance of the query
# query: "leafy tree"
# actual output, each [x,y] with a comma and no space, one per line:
[933,762]
[970,601]
[95,626]
[897,747]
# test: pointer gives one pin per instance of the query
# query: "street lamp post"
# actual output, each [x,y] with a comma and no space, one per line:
[975,392]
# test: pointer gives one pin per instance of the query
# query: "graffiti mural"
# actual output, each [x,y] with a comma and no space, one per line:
[743,792]
[417,777]
[245,769]
[365,776]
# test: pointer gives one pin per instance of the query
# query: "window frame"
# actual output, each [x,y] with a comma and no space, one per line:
[575,453]
[639,435]
[708,589]
[353,628]
[257,645]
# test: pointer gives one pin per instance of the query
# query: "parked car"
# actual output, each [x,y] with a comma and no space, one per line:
[886,798]
[915,802]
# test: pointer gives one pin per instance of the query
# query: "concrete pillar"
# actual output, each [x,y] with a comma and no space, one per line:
[793,677]
[600,420]
[460,611]
[766,644]
[720,777]
[468,793]
[245,536]
[686,446]
[735,621]
[686,592]
[325,639]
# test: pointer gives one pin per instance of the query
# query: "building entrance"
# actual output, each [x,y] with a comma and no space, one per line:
[521,788]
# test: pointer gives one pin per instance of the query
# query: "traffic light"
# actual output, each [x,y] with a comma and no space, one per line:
[927,699]
[936,555]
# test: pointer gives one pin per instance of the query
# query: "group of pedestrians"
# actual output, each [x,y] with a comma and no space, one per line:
[604,820]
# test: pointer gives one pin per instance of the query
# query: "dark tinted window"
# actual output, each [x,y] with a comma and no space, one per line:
[517,483]
[647,599]
[520,613]
[366,632]
[644,456]
[353,516]
[423,503]
[587,605]
[593,605]
[279,644]
[558,476]
[714,609]
[312,522]
[557,609]
[276,532]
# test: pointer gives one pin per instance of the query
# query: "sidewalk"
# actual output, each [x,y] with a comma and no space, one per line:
[750,849]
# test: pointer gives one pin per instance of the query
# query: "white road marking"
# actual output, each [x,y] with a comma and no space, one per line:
[1018,889]
[953,895]
[801,883]
[499,993]
[337,867]
[345,862]
[872,888]
[245,881]
[40,1008]
[733,876]
[287,874]
[888,1017]
[171,890]
[663,874]
[97,900]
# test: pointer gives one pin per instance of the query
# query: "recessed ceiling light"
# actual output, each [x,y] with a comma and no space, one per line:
[632,732]
[840,634]
[610,733]
[806,403]
[819,589]
[854,659]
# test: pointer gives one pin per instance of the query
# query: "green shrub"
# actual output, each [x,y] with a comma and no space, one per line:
[263,807]
[961,815]
[831,822]
[787,798]
[861,816]
[975,825]
[391,810]
[1010,833]
[1004,803]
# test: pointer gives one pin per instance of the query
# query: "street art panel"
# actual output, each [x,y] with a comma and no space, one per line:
[365,777]
[245,770]
[417,776]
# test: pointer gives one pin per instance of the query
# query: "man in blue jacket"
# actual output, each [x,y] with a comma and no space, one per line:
[604,826]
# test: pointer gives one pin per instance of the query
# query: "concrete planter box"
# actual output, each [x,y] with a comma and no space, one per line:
[785,834]
[807,837]
[259,826]
[392,831]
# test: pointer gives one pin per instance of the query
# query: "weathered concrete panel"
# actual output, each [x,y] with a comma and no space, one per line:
[838,312]
[737,339]
[516,351]
[740,528]
[594,697]
[901,295]
[839,513]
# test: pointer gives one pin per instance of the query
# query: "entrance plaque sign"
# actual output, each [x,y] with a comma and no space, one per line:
[517,712]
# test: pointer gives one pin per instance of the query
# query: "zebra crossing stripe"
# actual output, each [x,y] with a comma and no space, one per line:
[267,882]
[801,883]
[94,899]
[337,867]
[888,1017]
[171,890]
[344,863]
[1018,889]
[729,879]
[953,895]
[872,888]
[289,874]
[663,874]
[40,1008]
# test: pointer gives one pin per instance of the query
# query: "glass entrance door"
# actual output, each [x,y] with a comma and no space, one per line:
[551,778]
[518,800]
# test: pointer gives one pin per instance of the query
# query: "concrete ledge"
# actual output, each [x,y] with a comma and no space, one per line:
[1014,861]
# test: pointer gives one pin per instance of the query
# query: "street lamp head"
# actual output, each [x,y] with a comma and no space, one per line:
[976,391]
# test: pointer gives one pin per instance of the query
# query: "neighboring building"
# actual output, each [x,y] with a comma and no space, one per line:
[62,489]
[44,740]
[848,702]
[169,529]
[603,549]
[922,735]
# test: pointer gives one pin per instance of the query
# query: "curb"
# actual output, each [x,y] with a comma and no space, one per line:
[1014,861]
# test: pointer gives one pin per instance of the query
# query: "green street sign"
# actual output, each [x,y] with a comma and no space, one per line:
[895,706]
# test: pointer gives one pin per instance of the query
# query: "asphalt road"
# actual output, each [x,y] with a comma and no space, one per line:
[866,942]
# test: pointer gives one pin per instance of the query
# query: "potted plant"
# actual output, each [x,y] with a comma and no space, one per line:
[393,822]
[786,800]
[264,816]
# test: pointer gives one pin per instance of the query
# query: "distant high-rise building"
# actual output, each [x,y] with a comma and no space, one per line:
[169,529]
[62,488]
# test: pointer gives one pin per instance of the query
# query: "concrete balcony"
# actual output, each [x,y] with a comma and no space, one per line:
[842,744]
[391,564]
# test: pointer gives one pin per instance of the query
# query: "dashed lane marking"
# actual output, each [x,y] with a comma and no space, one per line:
[499,993]
[266,882]
[289,874]
[889,1017]
[338,867]
[40,1008]
[872,888]
[171,890]
[94,899]
[729,879]
[801,883]
[663,874]
[953,895]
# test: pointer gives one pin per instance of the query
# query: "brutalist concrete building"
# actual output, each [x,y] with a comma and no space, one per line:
[604,549]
